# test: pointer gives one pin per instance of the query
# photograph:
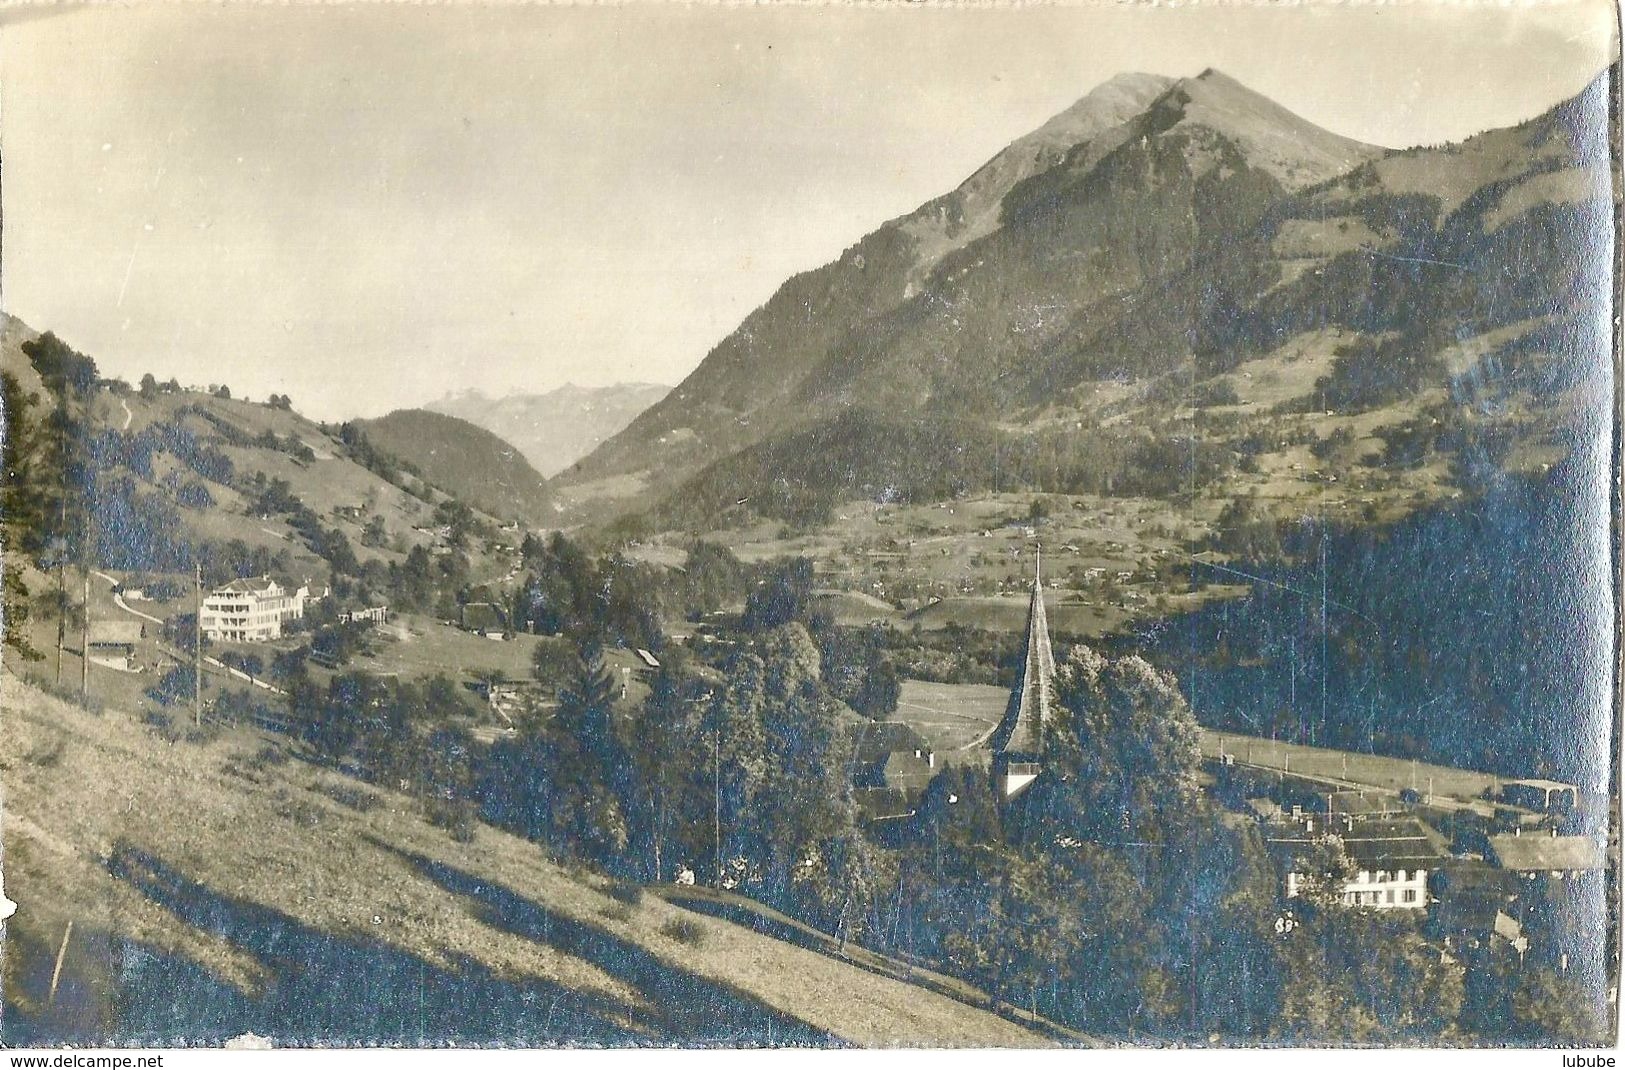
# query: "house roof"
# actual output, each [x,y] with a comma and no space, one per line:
[875,741]
[1529,853]
[1022,730]
[880,804]
[1401,843]
[904,770]
[648,658]
[1360,803]
[1544,785]
[115,631]
[1468,878]
[1468,912]
[247,585]
[483,616]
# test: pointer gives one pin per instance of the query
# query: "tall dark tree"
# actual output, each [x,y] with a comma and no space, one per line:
[805,798]
[784,596]
[734,763]
[1122,754]
[670,761]
[590,766]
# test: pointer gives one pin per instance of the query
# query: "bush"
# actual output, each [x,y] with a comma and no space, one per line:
[455,816]
[616,912]
[267,756]
[624,892]
[356,798]
[684,931]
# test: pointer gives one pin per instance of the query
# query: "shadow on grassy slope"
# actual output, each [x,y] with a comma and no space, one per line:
[324,989]
[696,1011]
[746,912]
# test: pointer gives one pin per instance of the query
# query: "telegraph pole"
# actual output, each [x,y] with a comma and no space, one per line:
[62,613]
[84,647]
[716,798]
[197,644]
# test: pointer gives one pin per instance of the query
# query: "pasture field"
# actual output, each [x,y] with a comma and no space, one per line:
[951,716]
[1367,770]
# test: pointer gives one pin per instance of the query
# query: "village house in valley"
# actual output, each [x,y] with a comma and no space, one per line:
[1389,860]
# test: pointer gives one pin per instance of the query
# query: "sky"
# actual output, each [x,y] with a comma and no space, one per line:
[367,207]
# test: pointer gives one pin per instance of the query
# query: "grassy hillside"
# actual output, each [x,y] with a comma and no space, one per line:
[216,888]
[464,460]
[183,475]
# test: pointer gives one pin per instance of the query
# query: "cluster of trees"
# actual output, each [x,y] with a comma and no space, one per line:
[265,440]
[1497,567]
[411,736]
[385,466]
[742,775]
[46,499]
[275,497]
[610,600]
[151,388]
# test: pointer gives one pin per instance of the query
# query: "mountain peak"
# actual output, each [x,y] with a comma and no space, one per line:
[1111,102]
[972,210]
[1295,151]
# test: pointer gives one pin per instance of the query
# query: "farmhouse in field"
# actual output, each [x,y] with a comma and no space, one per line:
[250,610]
[112,643]
[1018,741]
[484,617]
[376,615]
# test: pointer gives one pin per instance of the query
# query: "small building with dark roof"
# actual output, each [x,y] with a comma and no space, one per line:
[890,754]
[112,643]
[1347,809]
[1476,906]
[1540,855]
[484,617]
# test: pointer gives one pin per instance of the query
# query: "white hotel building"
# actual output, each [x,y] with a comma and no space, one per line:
[251,610]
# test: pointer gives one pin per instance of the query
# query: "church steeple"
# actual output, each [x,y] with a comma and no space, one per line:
[1018,742]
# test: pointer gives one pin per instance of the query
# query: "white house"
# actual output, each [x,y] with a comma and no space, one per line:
[1388,862]
[251,610]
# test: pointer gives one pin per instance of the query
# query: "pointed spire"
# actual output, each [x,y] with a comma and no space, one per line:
[1021,731]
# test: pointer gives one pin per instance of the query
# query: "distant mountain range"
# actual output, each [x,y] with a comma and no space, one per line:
[554,429]
[1169,265]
